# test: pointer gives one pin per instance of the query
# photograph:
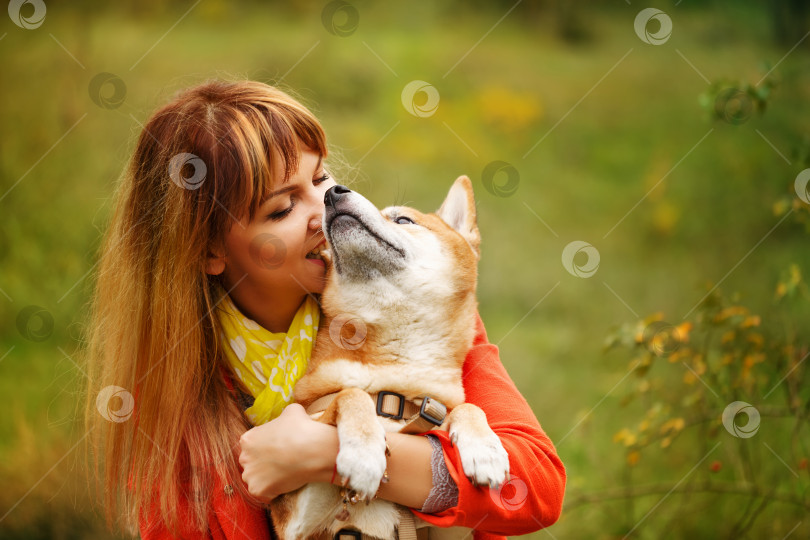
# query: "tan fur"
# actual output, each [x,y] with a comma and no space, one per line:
[416,313]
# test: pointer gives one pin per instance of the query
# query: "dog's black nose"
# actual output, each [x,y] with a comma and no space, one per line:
[334,194]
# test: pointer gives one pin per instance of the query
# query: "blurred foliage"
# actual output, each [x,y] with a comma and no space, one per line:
[724,355]
[736,102]
[681,373]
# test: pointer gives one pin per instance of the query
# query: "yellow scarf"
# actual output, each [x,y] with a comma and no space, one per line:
[269,364]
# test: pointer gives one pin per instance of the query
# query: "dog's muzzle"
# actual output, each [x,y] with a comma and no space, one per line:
[334,195]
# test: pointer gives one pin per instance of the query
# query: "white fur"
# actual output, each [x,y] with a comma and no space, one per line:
[318,504]
[361,459]
[454,208]
[483,457]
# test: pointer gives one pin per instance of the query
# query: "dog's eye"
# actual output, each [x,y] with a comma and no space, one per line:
[402,220]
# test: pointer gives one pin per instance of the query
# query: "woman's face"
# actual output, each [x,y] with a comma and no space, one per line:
[265,264]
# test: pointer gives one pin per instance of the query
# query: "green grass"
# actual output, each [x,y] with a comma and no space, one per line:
[601,155]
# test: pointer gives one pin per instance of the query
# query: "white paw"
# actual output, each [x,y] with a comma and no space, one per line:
[483,458]
[361,460]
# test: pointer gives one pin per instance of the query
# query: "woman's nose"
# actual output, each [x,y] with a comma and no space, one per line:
[315,222]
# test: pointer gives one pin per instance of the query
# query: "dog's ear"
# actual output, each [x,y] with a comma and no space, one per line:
[458,211]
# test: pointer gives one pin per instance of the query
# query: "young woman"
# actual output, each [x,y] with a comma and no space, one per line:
[210,245]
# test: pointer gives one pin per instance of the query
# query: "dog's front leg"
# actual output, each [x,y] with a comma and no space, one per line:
[483,457]
[361,456]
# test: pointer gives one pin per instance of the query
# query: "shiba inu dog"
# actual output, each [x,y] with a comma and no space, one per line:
[399,318]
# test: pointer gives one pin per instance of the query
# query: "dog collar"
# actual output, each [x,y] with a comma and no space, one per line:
[420,414]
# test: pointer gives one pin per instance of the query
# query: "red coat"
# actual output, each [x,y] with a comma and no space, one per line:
[530,501]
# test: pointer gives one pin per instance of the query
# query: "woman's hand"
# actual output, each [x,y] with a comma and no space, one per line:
[286,453]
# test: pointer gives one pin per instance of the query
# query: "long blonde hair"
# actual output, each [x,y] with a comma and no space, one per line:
[162,418]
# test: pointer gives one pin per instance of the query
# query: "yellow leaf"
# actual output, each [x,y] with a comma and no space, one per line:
[509,109]
[727,337]
[753,359]
[675,425]
[730,311]
[683,330]
[689,377]
[751,320]
[657,316]
[666,441]
[795,274]
[756,339]
[633,457]
[621,435]
[665,216]
[700,365]
[630,440]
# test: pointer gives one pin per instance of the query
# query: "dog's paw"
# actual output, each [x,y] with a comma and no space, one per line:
[361,461]
[483,458]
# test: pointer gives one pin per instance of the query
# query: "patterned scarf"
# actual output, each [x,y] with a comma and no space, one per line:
[268,364]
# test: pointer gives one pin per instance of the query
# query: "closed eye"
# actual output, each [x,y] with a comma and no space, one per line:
[281,214]
[403,220]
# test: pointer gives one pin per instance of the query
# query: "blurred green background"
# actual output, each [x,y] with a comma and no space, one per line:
[630,146]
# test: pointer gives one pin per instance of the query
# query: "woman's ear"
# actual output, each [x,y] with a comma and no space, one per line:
[215,264]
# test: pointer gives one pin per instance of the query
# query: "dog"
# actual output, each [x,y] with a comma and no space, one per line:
[399,310]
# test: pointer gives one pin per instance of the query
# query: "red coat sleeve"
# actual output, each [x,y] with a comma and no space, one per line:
[230,518]
[533,498]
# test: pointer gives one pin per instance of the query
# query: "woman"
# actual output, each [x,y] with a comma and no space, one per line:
[215,221]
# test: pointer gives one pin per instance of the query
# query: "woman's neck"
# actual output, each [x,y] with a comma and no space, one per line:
[275,315]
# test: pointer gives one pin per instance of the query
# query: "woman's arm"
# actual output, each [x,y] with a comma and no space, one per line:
[292,450]
[533,498]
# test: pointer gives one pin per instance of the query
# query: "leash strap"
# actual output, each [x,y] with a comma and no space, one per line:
[406,529]
[407,526]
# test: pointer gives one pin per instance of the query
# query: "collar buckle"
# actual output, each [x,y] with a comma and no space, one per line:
[386,405]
